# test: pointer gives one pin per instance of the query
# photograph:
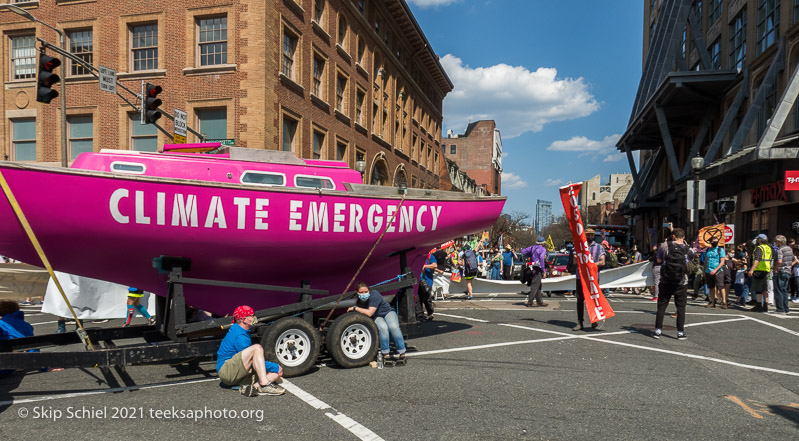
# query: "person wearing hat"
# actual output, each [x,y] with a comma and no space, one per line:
[134,299]
[241,363]
[759,271]
[598,256]
[715,257]
[507,262]
[537,255]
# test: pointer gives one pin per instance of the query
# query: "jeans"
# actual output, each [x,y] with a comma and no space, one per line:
[389,325]
[496,271]
[781,291]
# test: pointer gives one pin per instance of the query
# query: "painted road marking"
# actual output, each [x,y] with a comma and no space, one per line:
[462,317]
[774,326]
[737,401]
[486,346]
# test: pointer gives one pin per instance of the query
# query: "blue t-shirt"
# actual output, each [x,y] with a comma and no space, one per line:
[376,300]
[428,272]
[713,258]
[236,340]
[507,258]
[14,326]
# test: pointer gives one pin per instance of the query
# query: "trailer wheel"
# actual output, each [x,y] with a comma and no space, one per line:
[352,340]
[294,343]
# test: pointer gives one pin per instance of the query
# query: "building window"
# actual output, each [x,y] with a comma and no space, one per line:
[768,24]
[143,137]
[212,40]
[738,40]
[23,57]
[414,148]
[795,11]
[341,93]
[319,12]
[427,162]
[683,44]
[80,134]
[359,5]
[23,143]
[318,145]
[362,49]
[715,59]
[289,49]
[767,110]
[342,31]
[318,76]
[81,45]
[714,11]
[379,173]
[213,123]
[289,133]
[144,46]
[360,96]
[452,149]
[341,151]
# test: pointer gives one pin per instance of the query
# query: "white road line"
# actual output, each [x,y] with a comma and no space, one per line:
[103,391]
[717,321]
[774,326]
[462,317]
[346,422]
[561,333]
[486,346]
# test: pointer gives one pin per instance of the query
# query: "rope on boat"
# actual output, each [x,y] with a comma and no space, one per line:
[354,276]
[35,242]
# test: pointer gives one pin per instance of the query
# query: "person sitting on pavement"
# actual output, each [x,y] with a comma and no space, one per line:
[371,304]
[241,363]
[134,299]
[13,325]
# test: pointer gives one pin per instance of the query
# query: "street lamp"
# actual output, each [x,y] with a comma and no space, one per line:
[360,166]
[61,41]
[697,162]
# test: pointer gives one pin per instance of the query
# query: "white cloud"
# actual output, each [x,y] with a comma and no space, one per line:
[605,147]
[511,181]
[431,3]
[518,99]
[505,155]
[553,182]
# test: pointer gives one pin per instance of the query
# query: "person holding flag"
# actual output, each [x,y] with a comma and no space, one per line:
[598,256]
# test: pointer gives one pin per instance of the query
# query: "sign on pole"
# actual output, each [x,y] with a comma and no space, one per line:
[225,142]
[108,79]
[792,180]
[729,234]
[180,127]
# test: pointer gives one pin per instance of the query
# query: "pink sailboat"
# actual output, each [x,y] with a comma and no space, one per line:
[244,215]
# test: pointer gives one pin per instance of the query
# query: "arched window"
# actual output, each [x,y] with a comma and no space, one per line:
[379,172]
[400,177]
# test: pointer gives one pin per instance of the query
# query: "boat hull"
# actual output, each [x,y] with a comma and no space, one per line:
[111,227]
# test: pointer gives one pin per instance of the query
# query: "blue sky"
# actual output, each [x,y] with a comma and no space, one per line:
[559,78]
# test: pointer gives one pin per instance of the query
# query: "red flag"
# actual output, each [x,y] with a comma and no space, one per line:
[596,303]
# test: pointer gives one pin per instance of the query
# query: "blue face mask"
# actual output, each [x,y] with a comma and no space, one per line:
[364,297]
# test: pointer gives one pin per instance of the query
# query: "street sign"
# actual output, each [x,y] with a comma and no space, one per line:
[108,79]
[227,142]
[729,233]
[689,195]
[791,179]
[178,139]
[180,124]
[725,207]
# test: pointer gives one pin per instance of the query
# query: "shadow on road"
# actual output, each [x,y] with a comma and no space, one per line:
[790,413]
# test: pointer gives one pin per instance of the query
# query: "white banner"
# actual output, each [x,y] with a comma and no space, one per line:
[91,299]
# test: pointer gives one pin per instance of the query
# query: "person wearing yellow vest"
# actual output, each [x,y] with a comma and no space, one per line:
[761,267]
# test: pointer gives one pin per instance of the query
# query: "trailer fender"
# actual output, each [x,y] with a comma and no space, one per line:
[352,340]
[293,343]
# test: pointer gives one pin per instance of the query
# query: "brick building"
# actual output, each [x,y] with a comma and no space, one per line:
[478,153]
[326,79]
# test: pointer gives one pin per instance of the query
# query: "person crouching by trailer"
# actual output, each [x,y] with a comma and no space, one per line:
[134,299]
[372,304]
[241,363]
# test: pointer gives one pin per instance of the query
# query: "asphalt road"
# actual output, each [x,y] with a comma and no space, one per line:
[483,369]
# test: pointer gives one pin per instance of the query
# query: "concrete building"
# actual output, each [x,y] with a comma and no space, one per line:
[478,152]
[543,215]
[718,89]
[326,79]
[594,192]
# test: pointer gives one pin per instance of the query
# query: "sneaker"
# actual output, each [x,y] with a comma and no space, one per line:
[469,298]
[674,315]
[151,321]
[654,299]
[657,333]
[710,305]
[723,306]
[400,359]
[541,305]
[25,302]
[248,391]
[598,325]
[796,300]
[270,389]
[681,336]
[579,327]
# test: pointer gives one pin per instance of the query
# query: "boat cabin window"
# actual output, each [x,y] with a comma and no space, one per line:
[313,182]
[261,178]
[128,167]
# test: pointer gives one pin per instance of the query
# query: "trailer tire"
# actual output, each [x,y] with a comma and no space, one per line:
[293,343]
[352,340]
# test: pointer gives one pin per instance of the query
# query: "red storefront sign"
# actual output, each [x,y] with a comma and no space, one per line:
[791,180]
[769,192]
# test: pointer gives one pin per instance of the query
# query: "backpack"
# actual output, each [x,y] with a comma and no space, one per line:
[674,267]
[612,260]
[470,260]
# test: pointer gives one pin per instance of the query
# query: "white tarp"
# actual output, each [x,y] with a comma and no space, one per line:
[638,275]
[90,298]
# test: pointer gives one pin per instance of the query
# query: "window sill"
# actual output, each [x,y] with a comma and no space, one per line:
[343,52]
[28,4]
[219,68]
[81,79]
[141,74]
[20,84]
[361,129]
[342,117]
[320,103]
[361,70]
[294,6]
[379,139]
[320,31]
[401,154]
[288,82]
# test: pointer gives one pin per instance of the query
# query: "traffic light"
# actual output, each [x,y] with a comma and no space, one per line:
[45,78]
[151,103]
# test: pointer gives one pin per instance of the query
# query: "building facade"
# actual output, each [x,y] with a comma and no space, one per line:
[593,192]
[341,80]
[478,152]
[543,215]
[719,87]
